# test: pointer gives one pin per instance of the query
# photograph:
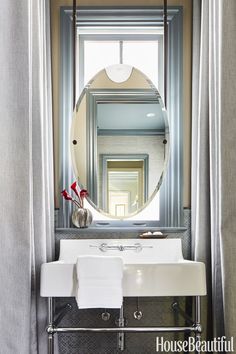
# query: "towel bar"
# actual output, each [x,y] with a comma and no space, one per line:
[193,328]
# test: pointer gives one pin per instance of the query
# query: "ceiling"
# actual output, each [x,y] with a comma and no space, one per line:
[115,116]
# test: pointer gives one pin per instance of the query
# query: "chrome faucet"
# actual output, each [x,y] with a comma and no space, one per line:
[104,247]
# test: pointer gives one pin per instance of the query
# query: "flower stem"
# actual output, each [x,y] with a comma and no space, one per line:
[76,203]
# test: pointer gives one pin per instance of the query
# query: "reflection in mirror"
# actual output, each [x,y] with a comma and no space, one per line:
[123,183]
[122,143]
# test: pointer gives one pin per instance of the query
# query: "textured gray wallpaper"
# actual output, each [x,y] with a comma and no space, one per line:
[156,311]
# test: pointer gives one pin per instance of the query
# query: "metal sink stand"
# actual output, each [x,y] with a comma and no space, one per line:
[52,328]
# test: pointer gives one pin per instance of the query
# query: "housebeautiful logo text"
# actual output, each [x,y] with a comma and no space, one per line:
[217,345]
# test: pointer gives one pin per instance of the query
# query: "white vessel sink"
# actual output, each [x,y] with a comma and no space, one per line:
[152,267]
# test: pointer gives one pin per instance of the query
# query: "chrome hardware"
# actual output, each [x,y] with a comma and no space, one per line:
[121,323]
[104,247]
[106,315]
[138,314]
[121,335]
[50,329]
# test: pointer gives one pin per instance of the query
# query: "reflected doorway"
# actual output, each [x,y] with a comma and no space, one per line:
[125,184]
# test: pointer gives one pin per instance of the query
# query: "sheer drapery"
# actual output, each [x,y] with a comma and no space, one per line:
[214,158]
[26,212]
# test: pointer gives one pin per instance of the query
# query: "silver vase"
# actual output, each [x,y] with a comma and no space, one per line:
[82,217]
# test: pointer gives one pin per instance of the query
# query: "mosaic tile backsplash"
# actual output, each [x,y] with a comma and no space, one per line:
[156,311]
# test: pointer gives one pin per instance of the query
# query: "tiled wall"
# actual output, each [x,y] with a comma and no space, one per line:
[156,311]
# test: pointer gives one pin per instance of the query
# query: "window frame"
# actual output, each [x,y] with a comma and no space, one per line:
[128,16]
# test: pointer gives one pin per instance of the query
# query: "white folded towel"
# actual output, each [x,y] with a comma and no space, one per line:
[99,282]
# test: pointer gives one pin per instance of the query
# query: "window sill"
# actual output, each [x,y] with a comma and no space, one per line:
[111,228]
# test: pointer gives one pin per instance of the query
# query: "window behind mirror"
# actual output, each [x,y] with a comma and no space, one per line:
[134,36]
[137,47]
[144,55]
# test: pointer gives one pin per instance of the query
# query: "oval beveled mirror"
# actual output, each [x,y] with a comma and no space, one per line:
[120,141]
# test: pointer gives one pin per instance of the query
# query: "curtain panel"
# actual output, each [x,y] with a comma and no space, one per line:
[214,158]
[26,159]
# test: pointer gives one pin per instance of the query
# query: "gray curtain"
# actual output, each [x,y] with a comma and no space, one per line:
[26,178]
[214,158]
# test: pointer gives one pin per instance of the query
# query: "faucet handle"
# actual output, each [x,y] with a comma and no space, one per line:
[102,247]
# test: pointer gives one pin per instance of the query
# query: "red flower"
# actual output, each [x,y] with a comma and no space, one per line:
[83,193]
[74,188]
[66,195]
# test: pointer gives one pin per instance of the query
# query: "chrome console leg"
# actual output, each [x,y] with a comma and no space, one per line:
[50,343]
[50,329]
[198,321]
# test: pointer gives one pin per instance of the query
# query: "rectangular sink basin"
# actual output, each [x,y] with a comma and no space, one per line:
[152,267]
